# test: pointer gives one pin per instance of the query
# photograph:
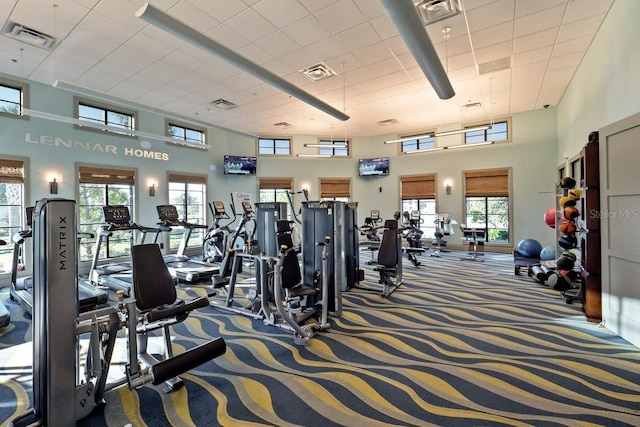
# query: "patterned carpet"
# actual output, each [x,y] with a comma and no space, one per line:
[459,344]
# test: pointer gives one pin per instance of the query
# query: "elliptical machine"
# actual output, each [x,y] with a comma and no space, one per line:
[443,229]
[413,235]
[214,246]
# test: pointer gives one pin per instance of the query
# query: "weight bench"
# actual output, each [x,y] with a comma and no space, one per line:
[475,237]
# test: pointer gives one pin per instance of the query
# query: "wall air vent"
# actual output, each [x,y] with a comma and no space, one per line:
[28,35]
[387,122]
[223,104]
[431,11]
[318,72]
[495,65]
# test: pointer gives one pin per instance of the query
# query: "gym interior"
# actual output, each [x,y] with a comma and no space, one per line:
[417,191]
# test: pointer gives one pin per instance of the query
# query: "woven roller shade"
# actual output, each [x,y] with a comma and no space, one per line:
[487,183]
[89,175]
[335,187]
[277,183]
[11,171]
[418,187]
[188,179]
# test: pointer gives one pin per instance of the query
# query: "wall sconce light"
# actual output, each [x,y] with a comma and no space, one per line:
[447,187]
[53,186]
[152,189]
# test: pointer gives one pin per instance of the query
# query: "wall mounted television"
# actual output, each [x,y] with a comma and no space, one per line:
[378,166]
[240,165]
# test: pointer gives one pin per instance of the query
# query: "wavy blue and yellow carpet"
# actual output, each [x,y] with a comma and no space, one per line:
[459,344]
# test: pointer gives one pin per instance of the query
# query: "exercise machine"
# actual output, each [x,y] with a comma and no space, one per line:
[64,392]
[390,258]
[413,235]
[444,229]
[5,317]
[475,237]
[117,275]
[216,239]
[182,267]
[370,229]
[267,214]
[21,290]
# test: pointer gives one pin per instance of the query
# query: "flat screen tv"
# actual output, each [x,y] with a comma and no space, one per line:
[240,165]
[378,166]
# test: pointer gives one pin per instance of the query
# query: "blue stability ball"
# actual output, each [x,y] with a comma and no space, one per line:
[548,253]
[529,248]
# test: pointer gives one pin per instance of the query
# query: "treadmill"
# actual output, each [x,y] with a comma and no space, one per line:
[117,276]
[4,313]
[89,297]
[182,267]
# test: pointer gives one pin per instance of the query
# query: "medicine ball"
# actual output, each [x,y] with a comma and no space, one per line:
[567,182]
[575,193]
[567,227]
[571,212]
[570,254]
[566,201]
[567,241]
[565,263]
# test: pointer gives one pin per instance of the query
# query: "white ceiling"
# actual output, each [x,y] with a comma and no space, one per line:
[103,46]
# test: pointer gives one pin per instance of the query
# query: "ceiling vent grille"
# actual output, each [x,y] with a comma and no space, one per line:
[495,65]
[28,35]
[318,72]
[223,104]
[283,125]
[472,105]
[431,11]
[387,122]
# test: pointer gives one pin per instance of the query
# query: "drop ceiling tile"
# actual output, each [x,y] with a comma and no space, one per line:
[490,36]
[535,40]
[104,26]
[384,27]
[524,8]
[255,54]
[326,48]
[578,10]
[493,52]
[125,11]
[281,12]
[315,5]
[536,22]
[359,36]
[221,10]
[580,28]
[372,53]
[371,9]
[254,26]
[226,36]
[193,17]
[306,31]
[340,16]
[535,55]
[491,15]
[277,44]
[569,61]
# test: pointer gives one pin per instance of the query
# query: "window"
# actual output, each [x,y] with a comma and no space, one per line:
[337,189]
[275,190]
[487,203]
[274,146]
[499,132]
[188,194]
[418,192]
[97,188]
[185,133]
[418,144]
[334,151]
[11,208]
[103,115]
[13,98]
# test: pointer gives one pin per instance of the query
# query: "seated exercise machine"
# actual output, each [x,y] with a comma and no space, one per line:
[475,237]
[370,230]
[182,267]
[390,258]
[89,296]
[117,275]
[443,229]
[413,235]
[64,392]
[216,239]
[5,317]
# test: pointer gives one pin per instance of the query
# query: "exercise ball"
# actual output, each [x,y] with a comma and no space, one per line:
[567,241]
[567,227]
[548,253]
[550,217]
[567,182]
[529,248]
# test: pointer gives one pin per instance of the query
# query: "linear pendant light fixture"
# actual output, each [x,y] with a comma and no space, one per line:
[334,145]
[405,17]
[171,25]
[436,134]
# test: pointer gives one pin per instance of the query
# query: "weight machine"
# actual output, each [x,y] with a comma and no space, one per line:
[61,394]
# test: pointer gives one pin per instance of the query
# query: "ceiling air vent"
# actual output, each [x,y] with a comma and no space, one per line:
[318,72]
[387,122]
[283,125]
[472,105]
[223,104]
[28,35]
[431,11]
[495,65]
